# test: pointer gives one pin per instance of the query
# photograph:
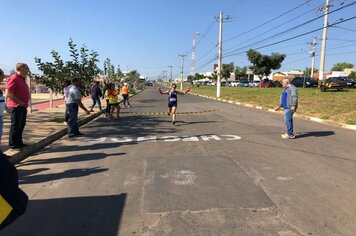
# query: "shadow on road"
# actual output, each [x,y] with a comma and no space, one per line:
[99,215]
[315,134]
[73,158]
[26,178]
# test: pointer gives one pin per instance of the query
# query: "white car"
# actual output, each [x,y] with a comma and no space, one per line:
[234,84]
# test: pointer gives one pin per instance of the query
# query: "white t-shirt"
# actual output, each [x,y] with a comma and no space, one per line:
[73,94]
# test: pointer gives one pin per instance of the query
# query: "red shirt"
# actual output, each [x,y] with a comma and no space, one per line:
[17,85]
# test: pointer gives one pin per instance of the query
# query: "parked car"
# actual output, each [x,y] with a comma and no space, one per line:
[244,84]
[338,83]
[149,83]
[350,83]
[304,82]
[255,84]
[234,83]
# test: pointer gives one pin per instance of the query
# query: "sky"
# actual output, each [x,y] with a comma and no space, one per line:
[149,36]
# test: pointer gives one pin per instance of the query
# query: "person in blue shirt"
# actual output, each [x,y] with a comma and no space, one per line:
[289,103]
[172,100]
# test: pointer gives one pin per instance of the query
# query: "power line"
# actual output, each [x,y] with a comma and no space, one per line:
[263,24]
[338,27]
[270,29]
[291,38]
[343,40]
[295,27]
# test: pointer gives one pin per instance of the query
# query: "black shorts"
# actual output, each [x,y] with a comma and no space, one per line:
[172,104]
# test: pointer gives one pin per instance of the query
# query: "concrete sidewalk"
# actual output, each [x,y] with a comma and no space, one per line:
[41,129]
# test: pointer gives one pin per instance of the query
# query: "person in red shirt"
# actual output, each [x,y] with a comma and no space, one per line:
[18,97]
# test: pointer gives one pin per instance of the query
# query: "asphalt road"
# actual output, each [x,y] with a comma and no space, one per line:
[221,170]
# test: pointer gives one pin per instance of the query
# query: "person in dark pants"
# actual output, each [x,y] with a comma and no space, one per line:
[18,95]
[125,94]
[95,95]
[73,102]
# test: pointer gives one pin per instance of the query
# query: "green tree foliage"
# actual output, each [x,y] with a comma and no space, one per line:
[307,71]
[132,76]
[240,72]
[197,76]
[82,65]
[341,66]
[109,71]
[262,65]
[227,69]
[352,75]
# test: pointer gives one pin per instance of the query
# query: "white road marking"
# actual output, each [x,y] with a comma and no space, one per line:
[180,177]
[284,178]
[95,140]
[210,137]
[168,138]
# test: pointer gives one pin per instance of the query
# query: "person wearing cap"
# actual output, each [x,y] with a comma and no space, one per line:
[18,95]
[125,94]
[173,100]
[3,106]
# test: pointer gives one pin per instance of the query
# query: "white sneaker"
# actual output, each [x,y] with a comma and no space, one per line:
[286,136]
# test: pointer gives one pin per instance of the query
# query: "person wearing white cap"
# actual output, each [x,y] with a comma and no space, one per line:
[125,94]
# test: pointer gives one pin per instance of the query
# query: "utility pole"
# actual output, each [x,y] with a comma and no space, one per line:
[314,43]
[193,53]
[323,44]
[171,72]
[218,84]
[182,68]
[165,76]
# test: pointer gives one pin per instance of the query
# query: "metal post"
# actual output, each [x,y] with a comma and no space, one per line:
[29,87]
[323,44]
[313,59]
[182,68]
[193,53]
[218,84]
[171,74]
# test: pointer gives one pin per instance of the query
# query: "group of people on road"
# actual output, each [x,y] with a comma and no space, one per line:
[73,102]
[18,97]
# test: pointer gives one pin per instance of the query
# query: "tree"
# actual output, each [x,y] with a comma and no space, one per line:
[82,65]
[341,66]
[240,72]
[262,65]
[307,71]
[352,75]
[227,69]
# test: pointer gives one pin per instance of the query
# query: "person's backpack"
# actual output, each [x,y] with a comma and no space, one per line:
[13,201]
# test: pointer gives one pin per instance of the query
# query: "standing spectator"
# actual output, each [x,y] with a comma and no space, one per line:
[105,91]
[95,95]
[125,94]
[2,105]
[112,95]
[289,103]
[73,102]
[65,95]
[18,95]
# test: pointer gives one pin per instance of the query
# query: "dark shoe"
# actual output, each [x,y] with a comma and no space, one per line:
[71,136]
[15,147]
[25,145]
[79,134]
[173,122]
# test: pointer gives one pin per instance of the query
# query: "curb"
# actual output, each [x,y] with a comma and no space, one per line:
[26,152]
[310,118]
